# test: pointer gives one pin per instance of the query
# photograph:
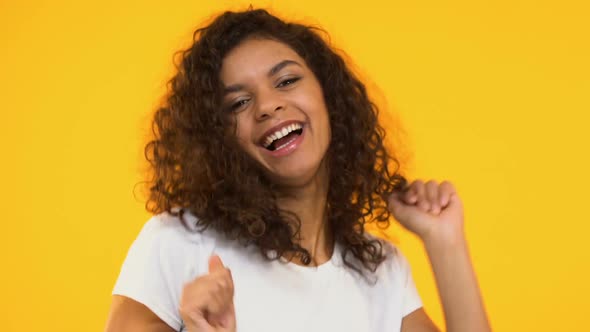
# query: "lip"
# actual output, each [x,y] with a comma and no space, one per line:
[276,128]
[290,148]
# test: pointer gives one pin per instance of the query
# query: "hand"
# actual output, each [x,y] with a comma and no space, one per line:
[433,212]
[207,302]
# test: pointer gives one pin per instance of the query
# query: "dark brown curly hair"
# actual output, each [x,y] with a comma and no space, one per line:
[197,165]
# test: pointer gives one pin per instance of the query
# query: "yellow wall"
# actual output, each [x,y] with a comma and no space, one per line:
[494,95]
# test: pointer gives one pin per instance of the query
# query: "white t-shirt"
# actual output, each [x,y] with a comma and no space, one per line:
[269,296]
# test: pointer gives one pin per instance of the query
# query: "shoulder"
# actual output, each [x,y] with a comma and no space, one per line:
[164,256]
[170,231]
[170,244]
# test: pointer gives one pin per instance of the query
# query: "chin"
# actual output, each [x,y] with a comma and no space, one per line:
[297,176]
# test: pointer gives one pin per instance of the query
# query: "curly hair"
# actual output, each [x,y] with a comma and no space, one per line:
[197,165]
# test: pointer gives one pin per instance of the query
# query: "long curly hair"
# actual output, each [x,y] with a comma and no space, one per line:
[197,165]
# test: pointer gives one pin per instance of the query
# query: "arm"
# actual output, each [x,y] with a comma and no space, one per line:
[435,214]
[127,315]
[457,286]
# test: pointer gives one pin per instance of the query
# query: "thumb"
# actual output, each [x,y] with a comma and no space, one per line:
[397,206]
[215,264]
[224,314]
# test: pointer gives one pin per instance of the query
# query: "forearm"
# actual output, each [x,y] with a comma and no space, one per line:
[457,285]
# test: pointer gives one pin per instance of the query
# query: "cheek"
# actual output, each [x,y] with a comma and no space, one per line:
[324,117]
[328,131]
[243,134]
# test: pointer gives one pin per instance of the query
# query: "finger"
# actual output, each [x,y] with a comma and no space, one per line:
[446,189]
[209,296]
[432,196]
[224,319]
[398,197]
[215,264]
[224,279]
[220,301]
[409,196]
[221,277]
[420,190]
[396,204]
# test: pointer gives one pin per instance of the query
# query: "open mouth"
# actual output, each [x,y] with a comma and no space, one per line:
[279,143]
[280,137]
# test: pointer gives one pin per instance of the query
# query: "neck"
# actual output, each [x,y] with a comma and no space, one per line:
[308,202]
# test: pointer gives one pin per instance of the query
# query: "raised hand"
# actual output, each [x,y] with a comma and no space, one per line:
[433,212]
[207,302]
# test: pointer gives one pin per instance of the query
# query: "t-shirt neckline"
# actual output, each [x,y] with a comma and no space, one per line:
[326,266]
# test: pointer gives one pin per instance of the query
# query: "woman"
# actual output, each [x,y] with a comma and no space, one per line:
[268,161]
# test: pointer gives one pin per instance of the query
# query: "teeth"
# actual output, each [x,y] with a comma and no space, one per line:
[281,133]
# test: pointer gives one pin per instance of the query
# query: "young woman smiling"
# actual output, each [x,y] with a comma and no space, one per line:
[268,160]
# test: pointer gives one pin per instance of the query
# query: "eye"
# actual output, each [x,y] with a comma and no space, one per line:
[238,104]
[288,81]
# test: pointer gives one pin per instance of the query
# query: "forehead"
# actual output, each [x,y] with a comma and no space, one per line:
[254,57]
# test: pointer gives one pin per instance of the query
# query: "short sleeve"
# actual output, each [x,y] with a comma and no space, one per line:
[155,270]
[411,298]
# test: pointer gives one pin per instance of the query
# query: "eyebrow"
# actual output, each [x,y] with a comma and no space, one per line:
[275,69]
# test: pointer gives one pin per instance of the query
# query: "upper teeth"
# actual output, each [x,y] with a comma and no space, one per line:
[280,133]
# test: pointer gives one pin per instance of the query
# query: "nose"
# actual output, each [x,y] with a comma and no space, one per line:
[268,103]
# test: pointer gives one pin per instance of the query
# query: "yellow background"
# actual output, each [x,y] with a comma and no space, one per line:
[493,95]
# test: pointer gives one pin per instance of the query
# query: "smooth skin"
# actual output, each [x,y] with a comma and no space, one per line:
[267,83]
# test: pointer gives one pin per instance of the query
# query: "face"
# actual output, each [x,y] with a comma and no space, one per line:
[279,109]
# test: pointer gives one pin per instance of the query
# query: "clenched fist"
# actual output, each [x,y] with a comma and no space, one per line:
[207,302]
[432,211]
